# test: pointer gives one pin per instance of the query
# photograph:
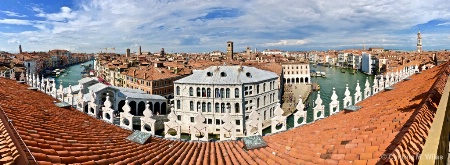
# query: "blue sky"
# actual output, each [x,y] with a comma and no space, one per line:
[204,26]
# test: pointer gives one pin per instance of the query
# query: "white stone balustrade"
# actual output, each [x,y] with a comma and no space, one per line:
[319,109]
[334,104]
[126,118]
[254,124]
[347,97]
[301,113]
[228,128]
[278,120]
[367,89]
[199,130]
[108,112]
[375,86]
[147,122]
[172,125]
[358,93]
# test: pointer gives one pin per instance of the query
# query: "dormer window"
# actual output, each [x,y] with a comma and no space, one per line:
[248,74]
[209,74]
[223,74]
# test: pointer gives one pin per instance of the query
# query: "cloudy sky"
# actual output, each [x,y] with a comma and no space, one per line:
[206,25]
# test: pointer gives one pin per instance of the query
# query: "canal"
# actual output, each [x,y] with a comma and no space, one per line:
[334,78]
[71,75]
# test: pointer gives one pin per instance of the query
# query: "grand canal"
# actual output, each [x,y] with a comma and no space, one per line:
[71,75]
[334,78]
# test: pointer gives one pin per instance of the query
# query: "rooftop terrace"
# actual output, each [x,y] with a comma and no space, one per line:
[392,123]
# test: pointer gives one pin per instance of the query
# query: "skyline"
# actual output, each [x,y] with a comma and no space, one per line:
[197,26]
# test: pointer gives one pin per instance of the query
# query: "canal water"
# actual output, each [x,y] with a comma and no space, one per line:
[71,75]
[334,78]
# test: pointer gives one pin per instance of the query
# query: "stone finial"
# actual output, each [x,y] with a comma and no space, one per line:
[254,126]
[347,92]
[318,108]
[172,116]
[199,127]
[367,89]
[22,77]
[300,106]
[228,128]
[126,108]
[358,88]
[334,105]
[278,111]
[278,119]
[13,74]
[147,112]
[69,90]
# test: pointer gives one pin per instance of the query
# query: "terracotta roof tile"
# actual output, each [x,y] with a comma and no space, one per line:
[57,135]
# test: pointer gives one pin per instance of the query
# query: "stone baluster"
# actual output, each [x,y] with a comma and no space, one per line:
[388,81]
[199,130]
[334,104]
[358,93]
[254,124]
[22,77]
[172,125]
[12,75]
[319,108]
[367,89]
[126,118]
[381,84]
[301,113]
[228,128]
[108,114]
[375,86]
[61,92]
[147,122]
[347,98]
[278,120]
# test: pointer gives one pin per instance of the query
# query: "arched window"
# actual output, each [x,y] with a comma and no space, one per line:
[203,107]
[228,107]
[222,108]
[236,93]
[198,106]
[217,107]
[191,105]
[178,90]
[222,92]
[198,92]
[191,91]
[264,87]
[209,107]
[227,93]
[264,101]
[217,92]
[208,92]
[178,104]
[236,108]
[203,92]
[257,89]
[257,103]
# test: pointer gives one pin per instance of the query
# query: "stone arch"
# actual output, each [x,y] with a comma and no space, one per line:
[288,80]
[284,80]
[141,108]
[151,106]
[121,104]
[163,108]
[133,109]
[301,80]
[92,110]
[157,109]
[297,80]
[306,80]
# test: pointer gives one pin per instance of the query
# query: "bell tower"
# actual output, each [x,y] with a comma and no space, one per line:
[230,50]
[419,42]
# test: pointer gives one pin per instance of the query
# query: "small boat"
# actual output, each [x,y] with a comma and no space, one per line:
[57,74]
[318,87]
[342,70]
[314,65]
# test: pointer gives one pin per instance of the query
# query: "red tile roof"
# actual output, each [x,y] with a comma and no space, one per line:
[385,125]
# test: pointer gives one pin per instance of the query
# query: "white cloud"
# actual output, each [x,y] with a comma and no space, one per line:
[15,22]
[286,43]
[93,24]
[443,24]
[12,14]
[13,41]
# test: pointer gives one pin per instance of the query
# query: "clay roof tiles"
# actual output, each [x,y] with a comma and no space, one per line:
[383,126]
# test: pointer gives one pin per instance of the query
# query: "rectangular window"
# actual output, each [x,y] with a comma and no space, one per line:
[191,106]
[178,104]
[238,122]
[217,121]
[209,121]
[192,119]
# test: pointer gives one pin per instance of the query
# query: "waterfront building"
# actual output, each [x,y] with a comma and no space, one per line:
[367,63]
[342,59]
[296,73]
[218,89]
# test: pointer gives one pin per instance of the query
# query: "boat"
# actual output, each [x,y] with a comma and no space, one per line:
[314,65]
[58,73]
[343,70]
[318,87]
[55,71]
